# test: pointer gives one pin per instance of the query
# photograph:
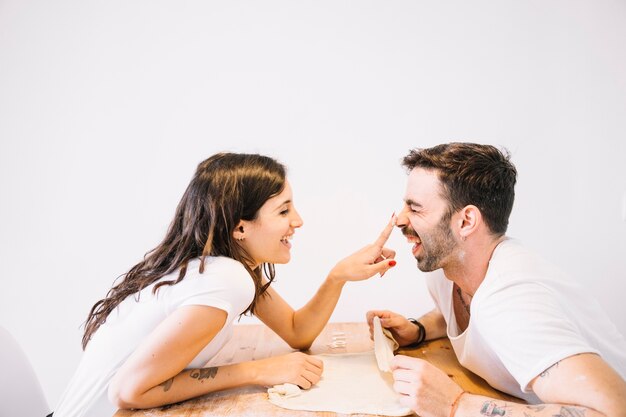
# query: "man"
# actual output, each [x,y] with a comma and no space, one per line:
[511,317]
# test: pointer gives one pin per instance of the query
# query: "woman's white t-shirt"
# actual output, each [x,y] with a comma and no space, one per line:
[225,284]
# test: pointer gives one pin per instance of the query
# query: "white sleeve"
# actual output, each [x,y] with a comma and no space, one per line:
[225,284]
[526,325]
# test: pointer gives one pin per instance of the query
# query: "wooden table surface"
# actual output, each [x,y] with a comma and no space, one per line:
[251,342]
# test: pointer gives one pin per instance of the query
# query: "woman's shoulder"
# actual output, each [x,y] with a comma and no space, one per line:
[224,283]
[220,273]
[221,264]
[218,267]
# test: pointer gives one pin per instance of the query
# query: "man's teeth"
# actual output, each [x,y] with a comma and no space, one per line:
[414,239]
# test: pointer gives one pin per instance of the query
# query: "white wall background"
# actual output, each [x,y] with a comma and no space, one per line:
[106,107]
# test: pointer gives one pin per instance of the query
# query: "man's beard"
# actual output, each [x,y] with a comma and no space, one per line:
[435,246]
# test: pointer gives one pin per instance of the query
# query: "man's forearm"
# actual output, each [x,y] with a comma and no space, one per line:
[434,324]
[471,405]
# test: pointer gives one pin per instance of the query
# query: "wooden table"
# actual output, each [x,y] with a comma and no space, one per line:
[257,341]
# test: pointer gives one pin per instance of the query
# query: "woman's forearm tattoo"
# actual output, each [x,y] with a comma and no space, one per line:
[203,373]
[167,384]
[199,374]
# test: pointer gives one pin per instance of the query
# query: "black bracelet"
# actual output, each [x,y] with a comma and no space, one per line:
[421,336]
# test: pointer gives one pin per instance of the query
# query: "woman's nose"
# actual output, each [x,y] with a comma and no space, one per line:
[297,220]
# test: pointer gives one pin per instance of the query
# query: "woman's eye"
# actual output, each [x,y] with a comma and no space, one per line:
[284,212]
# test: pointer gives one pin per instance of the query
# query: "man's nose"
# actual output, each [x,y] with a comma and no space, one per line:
[402,218]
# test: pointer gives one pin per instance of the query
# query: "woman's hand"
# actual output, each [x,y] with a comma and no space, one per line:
[296,368]
[372,259]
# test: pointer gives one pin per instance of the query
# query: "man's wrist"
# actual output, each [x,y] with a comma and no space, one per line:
[421,333]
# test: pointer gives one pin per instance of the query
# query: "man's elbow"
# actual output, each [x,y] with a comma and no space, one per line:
[617,408]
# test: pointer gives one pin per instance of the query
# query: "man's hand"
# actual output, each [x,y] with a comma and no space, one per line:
[581,385]
[423,387]
[402,330]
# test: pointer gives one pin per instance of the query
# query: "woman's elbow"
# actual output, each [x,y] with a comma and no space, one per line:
[124,398]
[300,344]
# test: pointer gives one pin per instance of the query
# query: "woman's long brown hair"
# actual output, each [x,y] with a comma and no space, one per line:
[225,189]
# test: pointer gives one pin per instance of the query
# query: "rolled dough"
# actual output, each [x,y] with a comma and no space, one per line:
[384,345]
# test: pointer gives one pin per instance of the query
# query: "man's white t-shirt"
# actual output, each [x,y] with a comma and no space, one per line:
[526,316]
[225,284]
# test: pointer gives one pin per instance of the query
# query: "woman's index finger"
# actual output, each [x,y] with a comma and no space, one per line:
[384,235]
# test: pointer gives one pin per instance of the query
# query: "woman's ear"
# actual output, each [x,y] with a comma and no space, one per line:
[239,233]
[469,219]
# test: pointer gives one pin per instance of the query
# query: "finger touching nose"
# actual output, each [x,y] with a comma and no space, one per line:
[402,218]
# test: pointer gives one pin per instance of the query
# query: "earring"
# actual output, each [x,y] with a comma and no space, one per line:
[240,238]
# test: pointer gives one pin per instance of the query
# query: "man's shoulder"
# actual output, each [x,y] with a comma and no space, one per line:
[512,260]
[511,246]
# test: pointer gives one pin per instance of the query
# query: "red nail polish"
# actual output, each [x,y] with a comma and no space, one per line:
[392,263]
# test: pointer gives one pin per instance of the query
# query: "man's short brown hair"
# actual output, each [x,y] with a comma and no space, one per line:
[480,175]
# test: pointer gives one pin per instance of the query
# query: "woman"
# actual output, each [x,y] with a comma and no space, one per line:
[146,342]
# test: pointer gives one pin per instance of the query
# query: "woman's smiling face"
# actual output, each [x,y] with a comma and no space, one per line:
[266,238]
